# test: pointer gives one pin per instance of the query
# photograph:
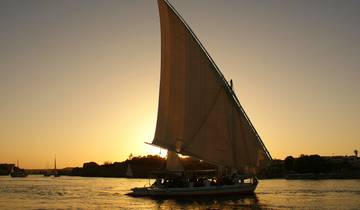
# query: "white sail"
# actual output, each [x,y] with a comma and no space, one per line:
[198,113]
[129,172]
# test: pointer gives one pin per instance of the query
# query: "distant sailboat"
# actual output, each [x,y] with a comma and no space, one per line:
[17,172]
[200,116]
[129,172]
[52,172]
[47,173]
[56,173]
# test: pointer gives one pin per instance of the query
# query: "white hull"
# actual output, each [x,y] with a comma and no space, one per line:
[236,189]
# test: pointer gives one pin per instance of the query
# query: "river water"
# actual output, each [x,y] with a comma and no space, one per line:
[38,192]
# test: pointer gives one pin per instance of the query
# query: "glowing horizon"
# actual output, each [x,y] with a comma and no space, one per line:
[81,79]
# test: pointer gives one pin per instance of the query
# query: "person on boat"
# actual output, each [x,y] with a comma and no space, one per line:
[235,178]
[157,182]
[191,184]
[206,182]
[255,181]
[213,182]
[219,181]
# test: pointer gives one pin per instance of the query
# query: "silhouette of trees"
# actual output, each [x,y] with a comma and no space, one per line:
[309,164]
[107,162]
[289,163]
[5,169]
[143,166]
[130,156]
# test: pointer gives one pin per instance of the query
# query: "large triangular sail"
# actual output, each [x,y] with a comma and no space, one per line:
[198,113]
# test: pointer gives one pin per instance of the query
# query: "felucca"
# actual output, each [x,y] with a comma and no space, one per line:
[200,116]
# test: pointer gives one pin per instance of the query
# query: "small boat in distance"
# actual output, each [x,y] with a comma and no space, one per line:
[199,115]
[52,172]
[56,173]
[16,172]
[47,173]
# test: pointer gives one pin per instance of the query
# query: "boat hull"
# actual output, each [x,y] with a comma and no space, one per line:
[238,189]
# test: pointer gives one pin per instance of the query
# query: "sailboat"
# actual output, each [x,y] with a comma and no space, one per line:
[199,115]
[56,173]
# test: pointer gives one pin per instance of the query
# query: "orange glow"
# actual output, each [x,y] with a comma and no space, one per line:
[81,79]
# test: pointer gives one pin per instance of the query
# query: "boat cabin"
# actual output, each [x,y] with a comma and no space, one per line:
[197,178]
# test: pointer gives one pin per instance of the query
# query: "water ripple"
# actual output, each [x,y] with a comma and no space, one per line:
[35,192]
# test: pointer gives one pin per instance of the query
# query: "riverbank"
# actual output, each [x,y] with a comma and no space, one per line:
[303,167]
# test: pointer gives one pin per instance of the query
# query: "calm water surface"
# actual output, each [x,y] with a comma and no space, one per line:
[38,192]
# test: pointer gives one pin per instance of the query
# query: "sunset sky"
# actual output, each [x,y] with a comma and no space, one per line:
[80,79]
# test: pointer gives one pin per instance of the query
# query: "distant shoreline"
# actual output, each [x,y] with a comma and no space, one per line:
[277,178]
[305,167]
